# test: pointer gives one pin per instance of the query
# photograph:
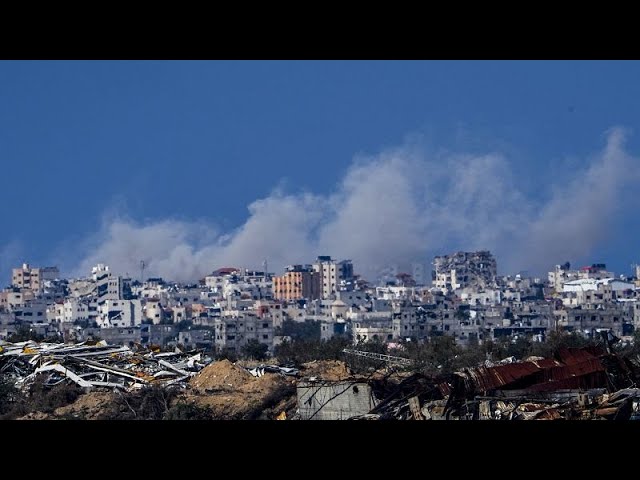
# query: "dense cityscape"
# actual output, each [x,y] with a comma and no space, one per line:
[318,240]
[463,297]
[318,341]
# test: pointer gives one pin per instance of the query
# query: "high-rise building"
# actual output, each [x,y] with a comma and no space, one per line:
[332,273]
[464,269]
[108,286]
[298,281]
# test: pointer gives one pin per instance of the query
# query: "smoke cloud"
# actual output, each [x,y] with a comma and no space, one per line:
[396,208]
[10,257]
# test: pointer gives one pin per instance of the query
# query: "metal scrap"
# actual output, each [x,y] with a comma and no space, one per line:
[260,370]
[586,383]
[98,365]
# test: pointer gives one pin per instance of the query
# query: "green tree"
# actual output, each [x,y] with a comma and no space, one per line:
[10,397]
[24,333]
[557,340]
[307,330]
[520,348]
[301,351]
[256,350]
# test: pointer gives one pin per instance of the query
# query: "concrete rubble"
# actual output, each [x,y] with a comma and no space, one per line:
[579,384]
[591,383]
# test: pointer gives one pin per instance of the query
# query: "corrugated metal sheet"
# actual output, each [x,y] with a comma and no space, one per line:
[570,356]
[577,368]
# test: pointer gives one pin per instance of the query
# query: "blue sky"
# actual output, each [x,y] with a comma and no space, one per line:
[84,144]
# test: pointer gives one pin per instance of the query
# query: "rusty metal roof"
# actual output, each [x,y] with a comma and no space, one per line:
[577,368]
[570,356]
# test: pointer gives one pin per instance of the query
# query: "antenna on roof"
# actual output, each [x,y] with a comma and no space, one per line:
[142,265]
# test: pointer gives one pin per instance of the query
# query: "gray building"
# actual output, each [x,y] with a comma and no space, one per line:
[464,269]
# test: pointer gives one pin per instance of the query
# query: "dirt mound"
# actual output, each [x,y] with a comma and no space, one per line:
[332,370]
[233,393]
[222,374]
[88,406]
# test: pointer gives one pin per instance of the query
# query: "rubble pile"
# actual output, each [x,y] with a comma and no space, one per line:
[591,383]
[233,392]
[89,406]
[329,370]
[579,384]
[98,365]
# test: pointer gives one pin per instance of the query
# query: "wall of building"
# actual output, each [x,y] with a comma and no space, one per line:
[120,313]
[334,401]
[463,269]
[296,285]
[33,278]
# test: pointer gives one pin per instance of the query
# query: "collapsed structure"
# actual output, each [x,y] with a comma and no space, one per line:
[578,383]
[464,269]
[98,365]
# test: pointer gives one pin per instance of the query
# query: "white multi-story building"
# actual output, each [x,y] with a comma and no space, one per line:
[108,286]
[34,311]
[154,311]
[74,310]
[15,298]
[120,313]
[563,274]
[236,328]
[332,273]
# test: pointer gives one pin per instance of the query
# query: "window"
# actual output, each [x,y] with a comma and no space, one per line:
[265,325]
[265,337]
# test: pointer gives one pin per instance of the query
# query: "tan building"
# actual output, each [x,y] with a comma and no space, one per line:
[12,298]
[33,278]
[297,283]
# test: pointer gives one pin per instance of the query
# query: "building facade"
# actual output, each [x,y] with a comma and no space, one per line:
[33,278]
[298,282]
[332,274]
[464,269]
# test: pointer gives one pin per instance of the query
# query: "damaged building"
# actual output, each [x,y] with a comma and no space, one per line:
[464,269]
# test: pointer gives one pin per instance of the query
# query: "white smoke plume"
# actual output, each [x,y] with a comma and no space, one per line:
[580,214]
[399,207]
[11,256]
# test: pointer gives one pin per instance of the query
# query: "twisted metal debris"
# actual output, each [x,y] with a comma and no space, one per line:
[98,365]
